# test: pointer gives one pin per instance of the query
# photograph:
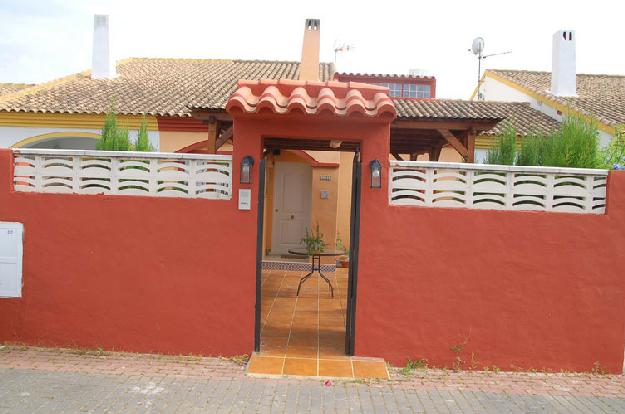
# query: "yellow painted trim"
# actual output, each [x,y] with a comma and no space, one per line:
[489,141]
[42,137]
[476,89]
[550,102]
[89,121]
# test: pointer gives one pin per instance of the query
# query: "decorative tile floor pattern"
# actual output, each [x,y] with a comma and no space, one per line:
[305,335]
[298,266]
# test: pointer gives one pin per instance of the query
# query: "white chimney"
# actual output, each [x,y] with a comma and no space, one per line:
[102,63]
[563,71]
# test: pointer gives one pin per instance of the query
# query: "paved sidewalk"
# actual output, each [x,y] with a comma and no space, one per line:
[37,380]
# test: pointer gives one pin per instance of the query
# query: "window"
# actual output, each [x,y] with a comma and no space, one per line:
[394,89]
[413,90]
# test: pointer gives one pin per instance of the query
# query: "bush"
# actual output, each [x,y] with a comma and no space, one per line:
[504,152]
[116,138]
[531,151]
[613,156]
[143,142]
[575,144]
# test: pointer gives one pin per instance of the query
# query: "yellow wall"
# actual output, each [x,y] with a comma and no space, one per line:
[171,141]
[323,211]
[345,196]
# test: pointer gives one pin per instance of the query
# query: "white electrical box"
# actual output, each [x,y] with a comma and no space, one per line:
[245,199]
[11,247]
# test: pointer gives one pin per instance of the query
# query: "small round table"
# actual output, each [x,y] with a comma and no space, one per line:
[315,265]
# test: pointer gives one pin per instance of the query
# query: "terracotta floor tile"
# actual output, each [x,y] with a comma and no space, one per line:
[302,367]
[265,365]
[369,369]
[301,351]
[308,327]
[335,368]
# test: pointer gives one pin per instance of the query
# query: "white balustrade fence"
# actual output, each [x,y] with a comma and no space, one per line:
[123,173]
[495,187]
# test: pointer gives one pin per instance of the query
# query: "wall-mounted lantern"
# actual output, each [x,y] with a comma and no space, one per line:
[246,169]
[376,174]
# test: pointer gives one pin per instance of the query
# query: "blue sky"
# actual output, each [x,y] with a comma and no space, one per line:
[46,39]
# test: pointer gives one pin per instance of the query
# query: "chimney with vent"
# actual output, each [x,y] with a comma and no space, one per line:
[563,71]
[309,68]
[102,63]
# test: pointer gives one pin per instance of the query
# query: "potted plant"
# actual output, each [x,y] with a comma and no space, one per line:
[314,241]
[343,260]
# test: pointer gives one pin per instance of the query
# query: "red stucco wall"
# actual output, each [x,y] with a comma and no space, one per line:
[131,273]
[518,289]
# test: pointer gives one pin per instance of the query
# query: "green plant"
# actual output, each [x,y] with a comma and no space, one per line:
[412,365]
[339,242]
[575,144]
[314,241]
[116,138]
[531,151]
[143,142]
[613,155]
[504,151]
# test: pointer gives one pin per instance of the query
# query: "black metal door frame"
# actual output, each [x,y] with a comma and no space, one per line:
[259,252]
[354,244]
[354,232]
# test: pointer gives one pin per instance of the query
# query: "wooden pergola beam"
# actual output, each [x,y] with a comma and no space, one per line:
[223,138]
[213,132]
[477,125]
[454,142]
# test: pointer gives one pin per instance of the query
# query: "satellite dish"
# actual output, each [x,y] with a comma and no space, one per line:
[478,46]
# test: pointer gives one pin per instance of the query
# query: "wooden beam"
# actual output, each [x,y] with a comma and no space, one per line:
[454,142]
[478,125]
[435,151]
[213,132]
[225,136]
[413,156]
[397,156]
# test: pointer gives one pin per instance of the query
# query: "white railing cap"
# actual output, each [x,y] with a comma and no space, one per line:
[502,168]
[121,154]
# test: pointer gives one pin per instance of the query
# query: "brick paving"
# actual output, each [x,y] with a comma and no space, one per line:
[40,380]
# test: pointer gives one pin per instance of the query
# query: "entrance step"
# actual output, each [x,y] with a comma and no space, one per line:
[335,367]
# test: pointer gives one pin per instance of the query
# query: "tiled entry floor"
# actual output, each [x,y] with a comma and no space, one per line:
[305,335]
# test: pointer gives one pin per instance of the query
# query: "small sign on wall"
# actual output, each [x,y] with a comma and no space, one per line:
[325,178]
[245,199]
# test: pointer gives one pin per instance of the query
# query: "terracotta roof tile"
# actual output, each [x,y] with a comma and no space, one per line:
[153,86]
[525,119]
[599,96]
[7,88]
[311,98]
[448,109]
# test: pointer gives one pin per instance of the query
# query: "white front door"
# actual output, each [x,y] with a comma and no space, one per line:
[291,205]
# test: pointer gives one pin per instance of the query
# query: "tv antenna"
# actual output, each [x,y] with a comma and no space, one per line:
[477,48]
[342,48]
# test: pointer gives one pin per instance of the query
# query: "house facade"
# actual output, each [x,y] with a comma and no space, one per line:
[183,101]
[164,252]
[562,92]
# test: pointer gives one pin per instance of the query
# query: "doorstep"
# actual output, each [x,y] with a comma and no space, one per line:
[345,367]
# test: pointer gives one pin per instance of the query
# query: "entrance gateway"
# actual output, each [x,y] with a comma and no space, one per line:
[273,116]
